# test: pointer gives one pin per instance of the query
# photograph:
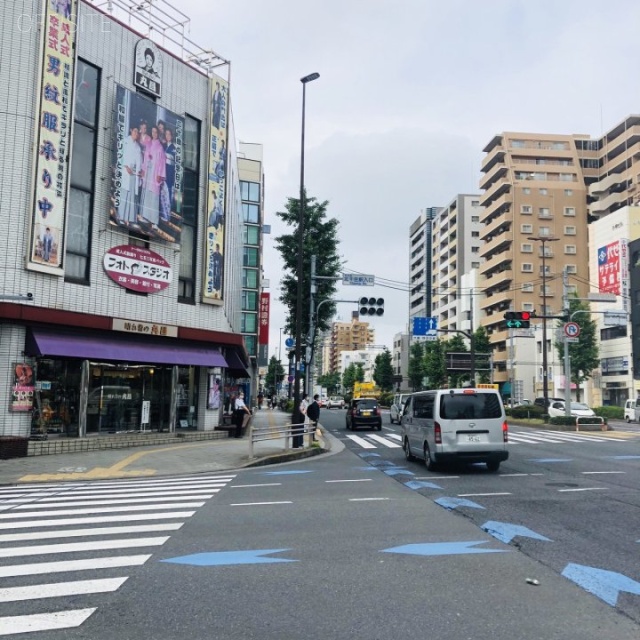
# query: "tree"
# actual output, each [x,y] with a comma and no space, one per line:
[583,355]
[320,238]
[482,345]
[352,374]
[415,371]
[434,365]
[455,345]
[331,381]
[383,372]
[275,375]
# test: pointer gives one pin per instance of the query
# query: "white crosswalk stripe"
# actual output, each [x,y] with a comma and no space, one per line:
[106,517]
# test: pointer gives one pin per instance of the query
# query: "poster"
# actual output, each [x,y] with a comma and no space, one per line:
[213,396]
[147,168]
[609,263]
[23,389]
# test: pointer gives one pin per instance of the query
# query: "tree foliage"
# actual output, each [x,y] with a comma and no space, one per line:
[383,372]
[482,345]
[584,355]
[331,381]
[456,344]
[320,238]
[275,375]
[352,374]
[434,364]
[415,371]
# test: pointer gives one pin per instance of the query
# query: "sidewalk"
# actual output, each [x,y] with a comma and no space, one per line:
[217,455]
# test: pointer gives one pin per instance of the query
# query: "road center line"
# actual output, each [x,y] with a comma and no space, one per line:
[583,489]
[366,499]
[264,484]
[600,472]
[359,480]
[513,475]
[470,495]
[437,478]
[255,504]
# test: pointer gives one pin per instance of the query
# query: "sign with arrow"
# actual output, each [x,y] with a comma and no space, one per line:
[506,532]
[605,585]
[442,548]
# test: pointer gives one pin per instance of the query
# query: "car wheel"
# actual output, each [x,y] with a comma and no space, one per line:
[407,450]
[390,419]
[493,465]
[379,427]
[628,419]
[429,463]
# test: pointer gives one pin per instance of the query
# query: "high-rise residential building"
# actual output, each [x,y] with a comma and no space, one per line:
[348,336]
[455,240]
[420,264]
[535,201]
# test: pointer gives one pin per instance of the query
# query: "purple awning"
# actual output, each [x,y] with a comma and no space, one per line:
[48,342]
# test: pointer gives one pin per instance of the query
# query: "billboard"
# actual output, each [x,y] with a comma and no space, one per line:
[216,191]
[609,266]
[54,88]
[146,194]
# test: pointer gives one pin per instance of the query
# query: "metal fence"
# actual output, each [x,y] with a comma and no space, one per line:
[284,432]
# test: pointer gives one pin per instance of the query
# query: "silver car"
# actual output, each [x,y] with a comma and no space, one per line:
[335,402]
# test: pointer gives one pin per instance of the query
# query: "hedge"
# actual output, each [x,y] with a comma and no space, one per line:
[570,421]
[613,413]
[526,411]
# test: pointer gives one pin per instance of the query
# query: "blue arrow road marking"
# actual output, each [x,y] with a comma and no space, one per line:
[550,460]
[442,548]
[606,585]
[398,471]
[506,532]
[452,503]
[219,558]
[283,473]
[369,455]
[419,484]
[623,457]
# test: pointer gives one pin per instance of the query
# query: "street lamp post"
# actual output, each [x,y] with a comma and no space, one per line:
[296,417]
[545,365]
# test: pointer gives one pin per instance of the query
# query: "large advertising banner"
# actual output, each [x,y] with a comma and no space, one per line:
[53,136]
[146,191]
[609,263]
[216,192]
[263,318]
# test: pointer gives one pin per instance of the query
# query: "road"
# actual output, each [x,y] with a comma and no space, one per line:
[338,546]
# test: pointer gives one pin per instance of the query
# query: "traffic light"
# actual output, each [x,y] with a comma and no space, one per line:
[518,319]
[371,306]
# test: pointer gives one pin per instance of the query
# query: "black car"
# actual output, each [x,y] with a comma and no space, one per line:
[364,412]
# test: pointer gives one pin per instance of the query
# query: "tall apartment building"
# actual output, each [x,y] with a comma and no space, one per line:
[535,187]
[420,264]
[348,336]
[455,240]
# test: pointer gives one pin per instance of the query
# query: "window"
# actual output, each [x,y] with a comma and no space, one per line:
[526,228]
[568,192]
[570,249]
[567,177]
[569,231]
[475,203]
[475,218]
[526,191]
[527,287]
[611,333]
[474,250]
[251,234]
[572,288]
[526,209]
[249,300]
[475,234]
[544,212]
[546,290]
[527,267]
[250,191]
[546,270]
[543,192]
[526,247]
[250,213]
[250,278]
[250,344]
[544,231]
[527,306]
[517,144]
[569,211]
[249,257]
[190,204]
[82,174]
[571,268]
[249,323]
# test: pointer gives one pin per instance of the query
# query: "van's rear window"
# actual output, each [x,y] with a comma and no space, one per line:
[470,406]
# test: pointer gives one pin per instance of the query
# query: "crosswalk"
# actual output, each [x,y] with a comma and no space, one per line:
[530,436]
[106,526]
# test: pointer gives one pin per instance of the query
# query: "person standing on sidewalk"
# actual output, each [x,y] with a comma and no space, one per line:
[240,411]
[313,413]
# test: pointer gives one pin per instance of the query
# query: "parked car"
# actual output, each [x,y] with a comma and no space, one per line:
[397,407]
[364,412]
[455,425]
[632,410]
[578,409]
[540,401]
[335,402]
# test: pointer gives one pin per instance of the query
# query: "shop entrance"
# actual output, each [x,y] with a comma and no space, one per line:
[117,394]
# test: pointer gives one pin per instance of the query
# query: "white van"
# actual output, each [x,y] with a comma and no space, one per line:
[455,425]
[399,400]
[632,410]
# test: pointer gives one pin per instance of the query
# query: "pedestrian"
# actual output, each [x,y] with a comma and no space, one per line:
[240,411]
[260,399]
[313,413]
[298,439]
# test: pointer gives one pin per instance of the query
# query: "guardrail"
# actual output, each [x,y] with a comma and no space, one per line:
[590,420]
[286,432]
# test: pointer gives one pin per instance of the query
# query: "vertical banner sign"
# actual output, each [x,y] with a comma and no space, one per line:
[263,319]
[609,268]
[625,286]
[53,135]
[213,267]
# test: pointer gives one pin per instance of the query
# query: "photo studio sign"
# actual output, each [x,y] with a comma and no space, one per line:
[148,68]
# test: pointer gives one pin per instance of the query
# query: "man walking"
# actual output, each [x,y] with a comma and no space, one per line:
[313,413]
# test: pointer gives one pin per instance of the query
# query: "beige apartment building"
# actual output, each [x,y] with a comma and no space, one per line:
[535,195]
[344,336]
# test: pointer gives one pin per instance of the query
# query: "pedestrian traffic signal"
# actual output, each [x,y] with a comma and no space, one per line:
[371,306]
[518,319]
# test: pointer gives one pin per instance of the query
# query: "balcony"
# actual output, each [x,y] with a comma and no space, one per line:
[602,206]
[503,220]
[496,190]
[492,264]
[603,186]
[497,299]
[495,155]
[488,179]
[501,277]
[502,241]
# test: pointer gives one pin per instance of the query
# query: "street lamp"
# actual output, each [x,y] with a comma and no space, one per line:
[297,418]
[545,366]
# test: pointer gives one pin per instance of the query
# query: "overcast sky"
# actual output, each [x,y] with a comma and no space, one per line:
[409,94]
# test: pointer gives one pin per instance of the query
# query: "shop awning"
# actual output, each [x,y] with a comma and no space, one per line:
[237,368]
[48,342]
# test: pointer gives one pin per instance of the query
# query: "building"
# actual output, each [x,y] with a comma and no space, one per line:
[400,359]
[420,264]
[123,235]
[364,357]
[534,221]
[348,336]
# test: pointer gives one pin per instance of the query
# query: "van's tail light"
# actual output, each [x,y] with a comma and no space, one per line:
[505,431]
[437,433]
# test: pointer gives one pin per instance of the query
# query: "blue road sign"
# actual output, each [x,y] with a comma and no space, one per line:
[289,343]
[606,585]
[506,532]
[442,548]
[218,558]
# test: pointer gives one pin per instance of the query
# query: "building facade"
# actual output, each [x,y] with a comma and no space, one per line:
[122,254]
[347,336]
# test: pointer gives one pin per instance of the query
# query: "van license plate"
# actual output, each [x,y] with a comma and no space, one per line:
[473,439]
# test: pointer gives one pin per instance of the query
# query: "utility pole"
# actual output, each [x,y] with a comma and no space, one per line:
[311,338]
[567,362]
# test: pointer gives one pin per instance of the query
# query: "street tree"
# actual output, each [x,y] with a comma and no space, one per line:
[383,372]
[275,375]
[434,364]
[331,381]
[482,345]
[415,371]
[320,238]
[584,355]
[456,344]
